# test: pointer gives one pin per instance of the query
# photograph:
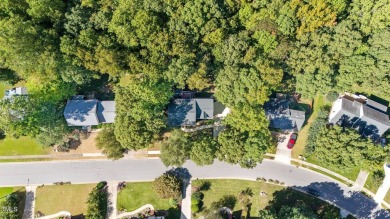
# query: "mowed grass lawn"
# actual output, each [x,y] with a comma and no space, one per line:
[222,187]
[72,198]
[22,195]
[21,146]
[137,194]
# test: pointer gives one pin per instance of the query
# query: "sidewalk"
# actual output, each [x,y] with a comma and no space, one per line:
[186,201]
[112,198]
[382,191]
[29,204]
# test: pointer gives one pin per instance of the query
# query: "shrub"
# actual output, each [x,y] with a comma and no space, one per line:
[197,196]
[377,177]
[195,208]
[167,186]
[270,180]
[315,128]
[276,181]
[173,202]
[332,96]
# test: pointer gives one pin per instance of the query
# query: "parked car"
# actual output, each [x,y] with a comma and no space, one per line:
[291,142]
[313,192]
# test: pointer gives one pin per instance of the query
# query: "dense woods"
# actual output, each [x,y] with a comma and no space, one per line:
[242,50]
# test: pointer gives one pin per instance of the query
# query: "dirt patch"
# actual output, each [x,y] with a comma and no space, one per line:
[86,146]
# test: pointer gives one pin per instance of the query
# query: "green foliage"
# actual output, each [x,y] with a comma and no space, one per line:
[244,148]
[173,202]
[203,149]
[176,150]
[228,201]
[9,206]
[167,186]
[106,141]
[139,112]
[195,207]
[317,125]
[343,149]
[332,96]
[97,202]
[377,177]
[243,49]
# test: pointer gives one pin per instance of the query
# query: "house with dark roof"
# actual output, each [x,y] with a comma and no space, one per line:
[80,112]
[185,112]
[359,112]
[280,115]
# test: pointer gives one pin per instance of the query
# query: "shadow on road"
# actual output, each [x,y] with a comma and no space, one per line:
[354,202]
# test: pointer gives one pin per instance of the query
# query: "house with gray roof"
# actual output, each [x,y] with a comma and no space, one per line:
[85,113]
[185,112]
[356,111]
[280,115]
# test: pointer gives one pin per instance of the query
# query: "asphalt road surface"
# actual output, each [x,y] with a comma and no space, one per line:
[92,171]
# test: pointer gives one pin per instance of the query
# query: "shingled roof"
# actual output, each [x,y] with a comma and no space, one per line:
[187,111]
[281,116]
[367,116]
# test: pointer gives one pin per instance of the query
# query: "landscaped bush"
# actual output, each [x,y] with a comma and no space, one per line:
[332,96]
[167,186]
[9,207]
[97,202]
[377,177]
[195,208]
[197,196]
[173,202]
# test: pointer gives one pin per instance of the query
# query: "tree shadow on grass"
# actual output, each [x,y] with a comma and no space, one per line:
[352,201]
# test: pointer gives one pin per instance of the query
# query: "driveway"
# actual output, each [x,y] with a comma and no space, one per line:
[16,174]
[283,154]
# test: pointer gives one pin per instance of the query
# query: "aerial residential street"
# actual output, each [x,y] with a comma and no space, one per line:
[19,174]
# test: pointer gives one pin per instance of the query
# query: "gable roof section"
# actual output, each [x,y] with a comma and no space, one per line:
[106,111]
[81,112]
[204,108]
[281,116]
[187,111]
[377,105]
[367,116]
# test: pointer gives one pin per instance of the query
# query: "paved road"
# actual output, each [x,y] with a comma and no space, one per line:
[17,174]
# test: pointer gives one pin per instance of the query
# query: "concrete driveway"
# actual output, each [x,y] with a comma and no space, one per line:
[283,154]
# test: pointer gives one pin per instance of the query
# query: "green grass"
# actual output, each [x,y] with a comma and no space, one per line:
[370,185]
[137,194]
[222,187]
[21,146]
[350,174]
[3,87]
[5,191]
[299,146]
[72,198]
[387,197]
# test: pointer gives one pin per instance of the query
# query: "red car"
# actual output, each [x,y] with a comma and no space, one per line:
[292,140]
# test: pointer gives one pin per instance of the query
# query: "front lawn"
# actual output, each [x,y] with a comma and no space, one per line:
[276,196]
[21,146]
[221,187]
[137,194]
[72,198]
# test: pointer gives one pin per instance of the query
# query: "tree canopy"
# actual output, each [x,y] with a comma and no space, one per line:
[242,51]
